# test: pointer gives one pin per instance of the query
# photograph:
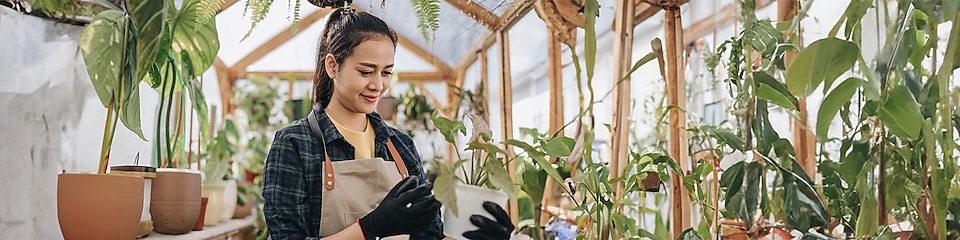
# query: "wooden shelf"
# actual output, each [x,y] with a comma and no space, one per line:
[223,230]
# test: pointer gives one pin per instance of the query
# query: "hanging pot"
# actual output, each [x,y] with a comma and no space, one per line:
[387,107]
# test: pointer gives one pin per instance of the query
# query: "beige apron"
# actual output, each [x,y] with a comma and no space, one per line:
[353,188]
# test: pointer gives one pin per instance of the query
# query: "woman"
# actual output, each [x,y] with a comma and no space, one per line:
[342,173]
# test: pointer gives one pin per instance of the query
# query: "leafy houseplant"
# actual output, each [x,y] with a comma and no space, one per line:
[485,170]
[416,111]
[257,102]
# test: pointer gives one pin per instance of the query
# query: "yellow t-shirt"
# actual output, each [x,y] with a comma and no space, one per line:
[362,141]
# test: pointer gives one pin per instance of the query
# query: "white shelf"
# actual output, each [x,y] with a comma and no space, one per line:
[220,231]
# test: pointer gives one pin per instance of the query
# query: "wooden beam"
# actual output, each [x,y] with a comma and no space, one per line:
[507,20]
[506,109]
[423,54]
[676,96]
[485,82]
[804,138]
[401,76]
[477,12]
[225,4]
[620,127]
[277,40]
[726,15]
[225,81]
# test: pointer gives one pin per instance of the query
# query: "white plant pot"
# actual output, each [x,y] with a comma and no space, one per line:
[469,202]
[214,195]
[229,200]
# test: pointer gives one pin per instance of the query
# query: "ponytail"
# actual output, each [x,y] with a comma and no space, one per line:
[345,29]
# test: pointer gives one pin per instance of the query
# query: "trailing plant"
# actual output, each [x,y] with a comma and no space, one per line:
[426,11]
[416,110]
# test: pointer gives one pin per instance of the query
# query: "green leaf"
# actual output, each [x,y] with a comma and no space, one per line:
[200,105]
[901,113]
[805,210]
[534,180]
[624,224]
[445,190]
[498,175]
[822,62]
[559,146]
[149,17]
[195,32]
[591,11]
[103,46]
[725,136]
[689,234]
[538,157]
[831,105]
[130,113]
[447,127]
[774,91]
[867,215]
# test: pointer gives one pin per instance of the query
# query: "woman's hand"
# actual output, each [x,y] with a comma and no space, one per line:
[501,229]
[407,208]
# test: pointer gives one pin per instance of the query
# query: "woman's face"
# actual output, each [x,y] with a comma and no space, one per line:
[364,75]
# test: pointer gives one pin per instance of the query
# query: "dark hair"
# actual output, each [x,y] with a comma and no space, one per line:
[344,31]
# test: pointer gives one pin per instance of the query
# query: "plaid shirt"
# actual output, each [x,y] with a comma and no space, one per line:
[293,174]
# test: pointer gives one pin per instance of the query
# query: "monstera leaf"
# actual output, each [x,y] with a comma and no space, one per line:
[194,32]
[107,45]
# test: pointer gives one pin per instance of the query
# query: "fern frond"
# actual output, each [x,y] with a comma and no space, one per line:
[428,14]
[208,10]
[258,11]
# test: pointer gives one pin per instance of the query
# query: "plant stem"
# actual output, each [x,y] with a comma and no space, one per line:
[107,138]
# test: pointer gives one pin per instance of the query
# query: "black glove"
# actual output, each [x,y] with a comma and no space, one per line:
[501,229]
[406,209]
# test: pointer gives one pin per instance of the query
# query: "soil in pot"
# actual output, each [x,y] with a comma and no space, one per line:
[175,203]
[84,199]
[469,202]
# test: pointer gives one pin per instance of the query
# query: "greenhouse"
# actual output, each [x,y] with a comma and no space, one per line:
[479,119]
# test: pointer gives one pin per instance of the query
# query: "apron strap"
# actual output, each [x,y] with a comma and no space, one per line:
[328,165]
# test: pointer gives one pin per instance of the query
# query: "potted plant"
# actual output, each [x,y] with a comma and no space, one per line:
[219,185]
[117,51]
[414,111]
[462,186]
[188,45]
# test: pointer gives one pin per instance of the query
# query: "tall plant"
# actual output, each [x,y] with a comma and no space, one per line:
[188,48]
[119,46]
[899,120]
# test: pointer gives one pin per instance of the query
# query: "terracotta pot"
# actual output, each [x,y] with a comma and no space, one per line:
[83,201]
[203,211]
[148,173]
[175,203]
[245,210]
[652,182]
[249,176]
[469,202]
[214,193]
[387,107]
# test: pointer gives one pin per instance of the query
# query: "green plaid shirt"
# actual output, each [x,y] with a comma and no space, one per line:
[293,174]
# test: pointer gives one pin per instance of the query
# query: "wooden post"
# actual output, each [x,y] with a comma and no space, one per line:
[620,128]
[484,75]
[506,109]
[805,142]
[676,96]
[555,73]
